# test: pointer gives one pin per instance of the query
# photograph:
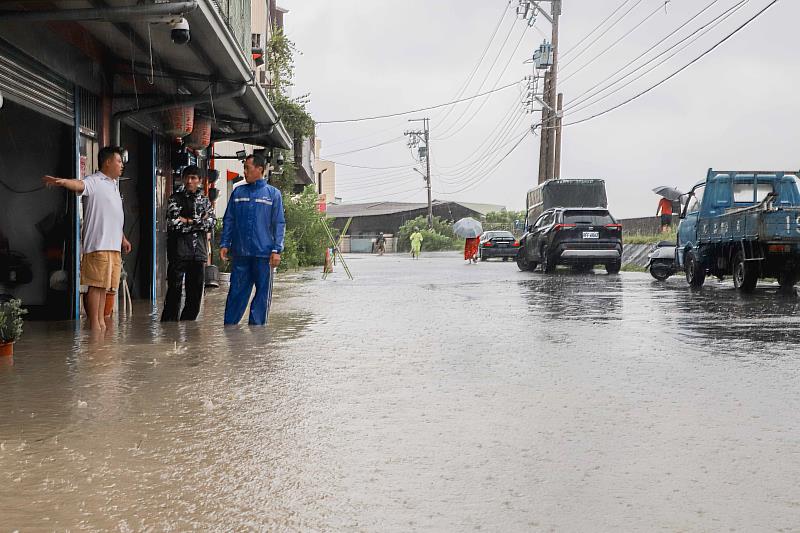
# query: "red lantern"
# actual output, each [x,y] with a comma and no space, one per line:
[200,137]
[179,121]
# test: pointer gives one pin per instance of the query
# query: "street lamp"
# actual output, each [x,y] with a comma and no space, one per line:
[418,171]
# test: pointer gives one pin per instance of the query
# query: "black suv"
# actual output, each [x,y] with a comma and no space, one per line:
[581,237]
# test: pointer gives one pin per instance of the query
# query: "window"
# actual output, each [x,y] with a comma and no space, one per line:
[762,190]
[255,40]
[743,192]
[589,218]
[695,200]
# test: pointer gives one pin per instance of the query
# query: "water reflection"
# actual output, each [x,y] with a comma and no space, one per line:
[567,295]
[765,321]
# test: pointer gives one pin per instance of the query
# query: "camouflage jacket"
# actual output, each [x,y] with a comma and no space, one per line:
[188,241]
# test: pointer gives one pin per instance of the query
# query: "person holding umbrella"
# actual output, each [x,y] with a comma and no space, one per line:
[471,230]
[664,210]
[471,249]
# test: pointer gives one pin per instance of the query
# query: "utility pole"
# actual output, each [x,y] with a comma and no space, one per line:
[557,163]
[547,58]
[543,144]
[414,140]
[551,97]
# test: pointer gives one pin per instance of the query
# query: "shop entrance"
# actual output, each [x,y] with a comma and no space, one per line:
[36,224]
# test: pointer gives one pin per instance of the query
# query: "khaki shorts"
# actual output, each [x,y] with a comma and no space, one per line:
[101,269]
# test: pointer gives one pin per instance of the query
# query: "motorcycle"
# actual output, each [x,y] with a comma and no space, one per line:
[661,260]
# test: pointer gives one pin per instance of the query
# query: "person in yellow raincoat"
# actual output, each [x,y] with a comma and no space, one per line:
[416,243]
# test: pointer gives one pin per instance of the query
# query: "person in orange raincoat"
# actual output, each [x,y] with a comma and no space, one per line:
[471,249]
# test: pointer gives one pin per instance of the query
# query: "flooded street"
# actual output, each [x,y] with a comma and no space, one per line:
[425,395]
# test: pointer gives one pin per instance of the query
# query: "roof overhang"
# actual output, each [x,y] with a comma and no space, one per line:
[153,70]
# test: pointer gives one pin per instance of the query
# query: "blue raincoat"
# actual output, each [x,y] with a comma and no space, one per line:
[253,228]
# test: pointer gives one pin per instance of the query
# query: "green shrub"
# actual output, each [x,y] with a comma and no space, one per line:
[648,239]
[305,241]
[441,237]
[306,238]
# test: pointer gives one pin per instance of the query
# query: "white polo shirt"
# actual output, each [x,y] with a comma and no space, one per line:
[103,217]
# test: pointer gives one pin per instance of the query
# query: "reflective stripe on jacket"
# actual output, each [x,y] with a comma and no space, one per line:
[254,224]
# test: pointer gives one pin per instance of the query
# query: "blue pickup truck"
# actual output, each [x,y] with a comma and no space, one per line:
[746,224]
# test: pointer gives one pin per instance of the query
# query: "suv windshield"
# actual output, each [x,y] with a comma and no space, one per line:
[590,218]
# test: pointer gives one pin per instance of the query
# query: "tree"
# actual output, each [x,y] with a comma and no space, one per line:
[441,237]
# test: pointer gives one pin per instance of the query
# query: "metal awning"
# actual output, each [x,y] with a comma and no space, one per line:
[153,70]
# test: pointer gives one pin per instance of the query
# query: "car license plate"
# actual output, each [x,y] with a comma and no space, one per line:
[502,244]
[591,234]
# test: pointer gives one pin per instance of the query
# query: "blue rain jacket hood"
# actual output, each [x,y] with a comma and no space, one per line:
[254,224]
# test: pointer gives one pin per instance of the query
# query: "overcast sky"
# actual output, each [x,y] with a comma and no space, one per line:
[735,109]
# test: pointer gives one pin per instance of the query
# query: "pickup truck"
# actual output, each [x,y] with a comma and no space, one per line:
[746,224]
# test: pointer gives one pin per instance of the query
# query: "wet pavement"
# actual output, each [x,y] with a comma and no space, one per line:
[425,395]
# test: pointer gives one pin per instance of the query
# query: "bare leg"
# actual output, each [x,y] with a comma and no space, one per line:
[96,299]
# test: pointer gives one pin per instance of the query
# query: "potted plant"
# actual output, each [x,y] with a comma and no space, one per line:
[10,325]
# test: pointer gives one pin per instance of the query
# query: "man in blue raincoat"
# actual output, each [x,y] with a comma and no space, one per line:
[252,233]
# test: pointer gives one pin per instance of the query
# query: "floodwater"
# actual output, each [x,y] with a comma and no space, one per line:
[423,396]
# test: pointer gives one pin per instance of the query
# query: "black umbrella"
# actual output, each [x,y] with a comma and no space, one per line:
[670,193]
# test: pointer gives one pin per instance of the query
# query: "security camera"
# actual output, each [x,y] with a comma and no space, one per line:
[180,31]
[280,160]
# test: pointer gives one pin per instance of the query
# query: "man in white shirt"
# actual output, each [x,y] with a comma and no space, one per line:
[103,238]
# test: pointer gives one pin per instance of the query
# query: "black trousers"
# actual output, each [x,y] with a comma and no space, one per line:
[194,272]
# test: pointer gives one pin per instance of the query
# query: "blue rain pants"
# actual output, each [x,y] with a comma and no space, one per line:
[247,271]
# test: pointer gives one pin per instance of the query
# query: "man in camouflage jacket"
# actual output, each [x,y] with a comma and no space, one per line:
[189,219]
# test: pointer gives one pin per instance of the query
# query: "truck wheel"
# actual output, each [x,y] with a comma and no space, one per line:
[695,273]
[745,275]
[548,265]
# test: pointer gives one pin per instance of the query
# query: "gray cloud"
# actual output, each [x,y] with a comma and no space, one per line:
[734,109]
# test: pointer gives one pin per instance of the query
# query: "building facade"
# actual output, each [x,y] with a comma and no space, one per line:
[79,75]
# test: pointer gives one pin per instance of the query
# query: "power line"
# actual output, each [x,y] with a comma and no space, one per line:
[488,73]
[692,62]
[474,163]
[448,134]
[589,46]
[490,137]
[390,184]
[595,29]
[453,102]
[480,169]
[492,170]
[375,196]
[371,168]
[676,30]
[365,136]
[395,139]
[480,60]
[694,36]
[615,43]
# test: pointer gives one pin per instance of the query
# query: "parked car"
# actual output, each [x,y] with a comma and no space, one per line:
[498,244]
[581,237]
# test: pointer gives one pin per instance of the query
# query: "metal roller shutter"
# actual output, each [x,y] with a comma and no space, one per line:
[27,83]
